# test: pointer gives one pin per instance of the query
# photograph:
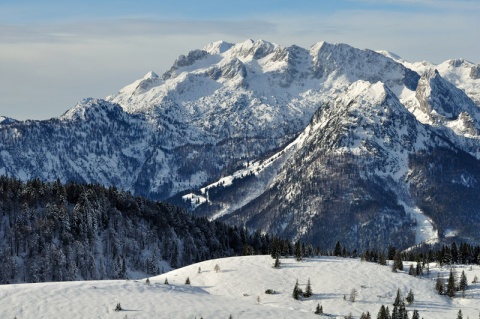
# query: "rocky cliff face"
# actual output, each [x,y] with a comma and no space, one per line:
[325,143]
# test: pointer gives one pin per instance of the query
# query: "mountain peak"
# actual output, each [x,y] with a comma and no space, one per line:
[6,120]
[217,47]
[256,49]
[150,76]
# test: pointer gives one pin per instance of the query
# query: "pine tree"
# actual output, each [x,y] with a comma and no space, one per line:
[365,315]
[415,315]
[402,311]
[382,313]
[460,315]
[297,292]
[397,262]
[381,259]
[410,297]
[411,270]
[308,291]
[419,269]
[147,281]
[187,282]
[166,281]
[463,282]
[439,285]
[277,263]
[398,298]
[387,313]
[298,251]
[395,313]
[451,284]
[319,310]
[338,249]
[216,268]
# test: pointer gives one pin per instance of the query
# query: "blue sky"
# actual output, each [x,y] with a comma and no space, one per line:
[54,53]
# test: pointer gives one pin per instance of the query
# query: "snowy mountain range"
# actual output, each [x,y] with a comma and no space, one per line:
[327,143]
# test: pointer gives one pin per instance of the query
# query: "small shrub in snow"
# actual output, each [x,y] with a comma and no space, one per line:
[270,292]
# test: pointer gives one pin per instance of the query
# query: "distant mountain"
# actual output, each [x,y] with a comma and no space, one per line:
[327,143]
[6,120]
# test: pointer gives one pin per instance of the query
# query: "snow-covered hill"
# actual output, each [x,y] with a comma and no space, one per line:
[238,289]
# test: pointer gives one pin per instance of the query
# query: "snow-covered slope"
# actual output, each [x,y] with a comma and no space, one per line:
[238,290]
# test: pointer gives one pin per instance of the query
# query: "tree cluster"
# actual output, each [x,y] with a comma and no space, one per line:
[57,232]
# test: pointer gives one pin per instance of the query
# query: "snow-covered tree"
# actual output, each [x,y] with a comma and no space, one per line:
[319,309]
[308,290]
[463,284]
[451,284]
[410,297]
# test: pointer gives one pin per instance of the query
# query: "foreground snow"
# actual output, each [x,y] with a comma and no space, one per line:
[238,289]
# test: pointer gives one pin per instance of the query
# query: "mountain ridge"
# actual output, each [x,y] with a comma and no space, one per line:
[254,108]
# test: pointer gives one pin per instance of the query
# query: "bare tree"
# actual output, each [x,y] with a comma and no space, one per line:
[353,295]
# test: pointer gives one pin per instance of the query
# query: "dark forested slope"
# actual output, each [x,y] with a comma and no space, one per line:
[55,232]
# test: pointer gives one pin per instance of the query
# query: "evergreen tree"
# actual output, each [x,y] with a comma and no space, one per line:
[382,313]
[277,263]
[395,313]
[411,270]
[460,315]
[166,281]
[338,249]
[398,298]
[410,297]
[387,313]
[319,310]
[451,284]
[419,269]
[187,282]
[381,259]
[402,311]
[298,251]
[308,291]
[365,315]
[415,315]
[297,292]
[397,262]
[463,282]
[439,285]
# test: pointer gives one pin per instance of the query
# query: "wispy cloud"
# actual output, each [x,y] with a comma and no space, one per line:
[432,4]
[60,63]
[122,28]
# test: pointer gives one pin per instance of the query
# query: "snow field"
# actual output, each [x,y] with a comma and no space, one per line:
[238,289]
